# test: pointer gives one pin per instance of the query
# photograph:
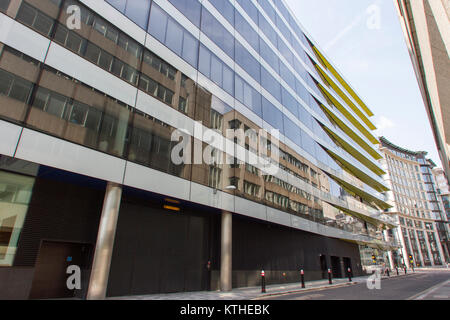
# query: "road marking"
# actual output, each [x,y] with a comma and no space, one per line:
[440,297]
[422,295]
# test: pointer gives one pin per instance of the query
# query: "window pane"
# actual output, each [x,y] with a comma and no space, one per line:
[216,70]
[15,197]
[270,84]
[78,113]
[228,77]
[61,34]
[5,82]
[26,14]
[174,38]
[204,63]
[190,8]
[272,115]
[4,5]
[190,49]
[292,131]
[105,60]
[267,54]
[92,53]
[158,23]
[20,90]
[137,11]
[74,42]
[225,8]
[247,61]
[217,33]
[43,24]
[118,4]
[56,105]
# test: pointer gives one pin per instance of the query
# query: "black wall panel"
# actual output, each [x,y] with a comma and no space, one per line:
[156,250]
[59,211]
[258,245]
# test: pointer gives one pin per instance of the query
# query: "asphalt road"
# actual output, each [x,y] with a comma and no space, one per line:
[417,286]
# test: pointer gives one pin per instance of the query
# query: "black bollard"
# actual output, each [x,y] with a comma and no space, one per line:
[405,269]
[349,275]
[302,276]
[263,282]
[387,271]
[329,277]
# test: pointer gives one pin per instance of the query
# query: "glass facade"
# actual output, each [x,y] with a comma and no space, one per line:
[15,195]
[274,86]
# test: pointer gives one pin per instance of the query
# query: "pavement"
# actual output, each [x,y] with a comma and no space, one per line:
[251,293]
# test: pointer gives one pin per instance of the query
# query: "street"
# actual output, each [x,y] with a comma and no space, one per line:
[433,285]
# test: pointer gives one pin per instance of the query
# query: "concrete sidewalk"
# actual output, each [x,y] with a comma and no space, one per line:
[250,293]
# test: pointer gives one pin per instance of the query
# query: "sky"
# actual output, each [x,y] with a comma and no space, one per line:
[364,41]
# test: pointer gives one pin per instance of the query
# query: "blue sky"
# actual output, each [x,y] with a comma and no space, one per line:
[364,41]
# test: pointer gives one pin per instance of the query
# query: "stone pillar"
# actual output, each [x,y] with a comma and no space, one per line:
[105,241]
[226,252]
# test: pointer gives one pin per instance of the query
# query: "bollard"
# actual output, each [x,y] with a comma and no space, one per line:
[329,277]
[405,269]
[263,282]
[349,275]
[208,282]
[387,272]
[302,276]
[396,268]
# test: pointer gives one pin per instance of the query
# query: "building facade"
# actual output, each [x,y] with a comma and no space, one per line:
[414,205]
[443,196]
[426,26]
[180,145]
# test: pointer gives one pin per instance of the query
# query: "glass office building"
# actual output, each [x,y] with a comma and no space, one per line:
[96,98]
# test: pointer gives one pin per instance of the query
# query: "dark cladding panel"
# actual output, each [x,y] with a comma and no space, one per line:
[59,211]
[158,251]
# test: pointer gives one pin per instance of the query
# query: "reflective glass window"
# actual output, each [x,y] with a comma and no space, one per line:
[158,23]
[247,61]
[272,115]
[217,33]
[247,95]
[137,11]
[190,49]
[174,37]
[250,9]
[268,55]
[285,51]
[267,29]
[247,32]
[287,75]
[269,10]
[289,101]
[225,8]
[118,4]
[190,8]
[308,143]
[291,130]
[14,200]
[270,84]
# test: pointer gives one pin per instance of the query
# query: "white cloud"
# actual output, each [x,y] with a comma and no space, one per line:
[383,123]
